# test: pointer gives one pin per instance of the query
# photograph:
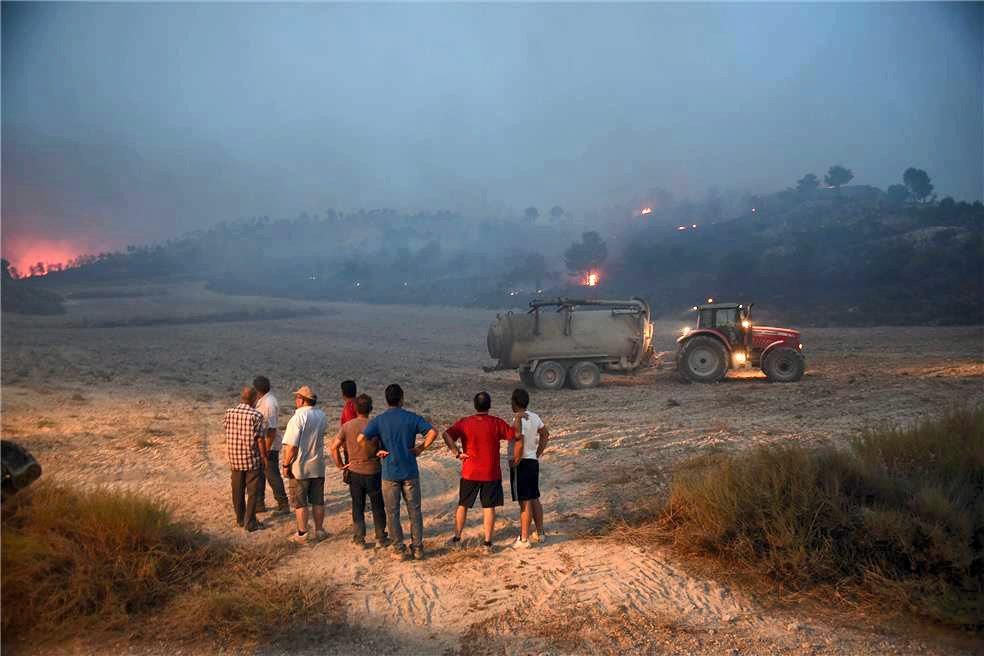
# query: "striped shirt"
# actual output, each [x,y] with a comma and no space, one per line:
[243,425]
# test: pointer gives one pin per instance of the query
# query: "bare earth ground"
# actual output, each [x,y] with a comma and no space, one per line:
[141,407]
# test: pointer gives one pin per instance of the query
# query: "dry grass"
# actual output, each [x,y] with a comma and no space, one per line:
[110,564]
[899,514]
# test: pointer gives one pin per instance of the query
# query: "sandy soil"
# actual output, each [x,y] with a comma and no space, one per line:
[141,407]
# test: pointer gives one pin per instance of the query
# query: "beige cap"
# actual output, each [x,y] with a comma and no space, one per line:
[306,392]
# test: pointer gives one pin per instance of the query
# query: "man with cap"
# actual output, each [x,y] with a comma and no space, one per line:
[304,463]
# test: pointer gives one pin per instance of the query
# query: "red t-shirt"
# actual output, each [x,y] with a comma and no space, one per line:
[348,412]
[480,436]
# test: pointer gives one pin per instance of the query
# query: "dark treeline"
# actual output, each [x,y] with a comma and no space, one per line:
[816,253]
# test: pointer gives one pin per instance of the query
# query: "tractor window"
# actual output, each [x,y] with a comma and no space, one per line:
[705,319]
[725,319]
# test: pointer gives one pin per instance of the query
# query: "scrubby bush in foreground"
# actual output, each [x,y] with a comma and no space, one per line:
[900,512]
[109,564]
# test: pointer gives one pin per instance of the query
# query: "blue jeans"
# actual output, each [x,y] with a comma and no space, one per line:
[410,491]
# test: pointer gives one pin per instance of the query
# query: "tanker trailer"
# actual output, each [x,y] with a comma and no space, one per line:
[572,341]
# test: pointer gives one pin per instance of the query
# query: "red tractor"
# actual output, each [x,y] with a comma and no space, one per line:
[726,338]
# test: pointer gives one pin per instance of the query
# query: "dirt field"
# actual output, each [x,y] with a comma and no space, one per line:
[141,407]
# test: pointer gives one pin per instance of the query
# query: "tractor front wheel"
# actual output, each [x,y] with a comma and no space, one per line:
[783,365]
[549,375]
[702,359]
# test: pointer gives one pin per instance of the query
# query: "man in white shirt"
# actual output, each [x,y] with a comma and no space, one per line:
[304,463]
[267,406]
[531,441]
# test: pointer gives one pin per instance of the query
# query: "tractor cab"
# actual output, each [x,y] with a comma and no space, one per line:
[726,338]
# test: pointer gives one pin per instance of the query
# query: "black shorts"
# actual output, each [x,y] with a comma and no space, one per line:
[524,480]
[491,493]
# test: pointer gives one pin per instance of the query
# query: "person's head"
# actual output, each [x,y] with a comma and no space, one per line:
[394,395]
[304,396]
[363,405]
[483,402]
[262,385]
[520,399]
[248,396]
[348,389]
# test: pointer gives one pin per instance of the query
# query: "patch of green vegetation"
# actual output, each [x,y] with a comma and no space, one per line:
[900,513]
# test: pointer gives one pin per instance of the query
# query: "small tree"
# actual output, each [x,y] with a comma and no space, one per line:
[556,212]
[896,195]
[918,183]
[531,214]
[838,176]
[807,184]
[586,255]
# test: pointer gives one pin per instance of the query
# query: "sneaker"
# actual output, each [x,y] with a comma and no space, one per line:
[418,553]
[320,535]
[487,548]
[282,510]
[521,544]
[455,543]
[299,539]
[236,523]
[381,543]
[399,552]
[539,539]
[255,526]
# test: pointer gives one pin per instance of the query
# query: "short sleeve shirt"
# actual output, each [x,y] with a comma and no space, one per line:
[361,457]
[306,431]
[243,426]
[269,408]
[531,435]
[348,412]
[480,435]
[397,430]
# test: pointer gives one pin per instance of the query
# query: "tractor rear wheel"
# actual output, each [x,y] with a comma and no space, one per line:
[584,375]
[702,359]
[549,375]
[783,365]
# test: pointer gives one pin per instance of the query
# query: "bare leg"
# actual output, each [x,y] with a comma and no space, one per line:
[488,522]
[460,515]
[525,515]
[301,514]
[319,517]
[537,516]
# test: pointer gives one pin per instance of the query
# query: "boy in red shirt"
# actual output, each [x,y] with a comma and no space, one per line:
[481,474]
[349,392]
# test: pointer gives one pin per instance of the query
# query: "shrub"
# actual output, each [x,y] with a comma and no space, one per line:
[101,562]
[901,513]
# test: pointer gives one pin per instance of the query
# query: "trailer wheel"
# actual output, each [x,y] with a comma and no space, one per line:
[702,359]
[549,375]
[584,375]
[526,378]
[783,365]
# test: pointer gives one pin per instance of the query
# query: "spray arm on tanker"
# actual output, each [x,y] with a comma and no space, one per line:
[614,335]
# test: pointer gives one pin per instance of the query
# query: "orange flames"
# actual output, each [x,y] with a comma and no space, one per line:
[646,210]
[591,279]
[32,256]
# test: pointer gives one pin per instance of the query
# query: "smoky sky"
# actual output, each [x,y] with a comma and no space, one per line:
[125,123]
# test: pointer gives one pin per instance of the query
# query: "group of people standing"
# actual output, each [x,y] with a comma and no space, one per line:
[378,460]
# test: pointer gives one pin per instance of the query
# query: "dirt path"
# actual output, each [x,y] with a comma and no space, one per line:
[141,408]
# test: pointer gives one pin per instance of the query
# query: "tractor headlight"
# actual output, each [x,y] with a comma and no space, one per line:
[740,357]
[746,324]
[685,331]
[800,347]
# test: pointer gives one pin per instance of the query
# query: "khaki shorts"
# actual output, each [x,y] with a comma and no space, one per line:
[307,492]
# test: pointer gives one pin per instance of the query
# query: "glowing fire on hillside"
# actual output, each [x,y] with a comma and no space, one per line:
[31,256]
[591,279]
[646,210]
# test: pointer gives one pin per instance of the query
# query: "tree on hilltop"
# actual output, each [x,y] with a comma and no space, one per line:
[918,183]
[838,176]
[586,255]
[807,184]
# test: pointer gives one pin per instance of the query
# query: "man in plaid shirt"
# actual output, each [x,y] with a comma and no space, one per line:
[245,430]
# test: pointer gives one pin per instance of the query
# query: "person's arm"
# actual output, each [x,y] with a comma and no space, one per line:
[271,435]
[260,436]
[335,449]
[544,439]
[451,438]
[289,450]
[517,427]
[428,440]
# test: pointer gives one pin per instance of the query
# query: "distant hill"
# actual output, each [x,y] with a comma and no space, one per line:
[21,297]
[831,256]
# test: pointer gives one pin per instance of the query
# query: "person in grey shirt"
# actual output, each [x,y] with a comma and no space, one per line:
[266,405]
[304,463]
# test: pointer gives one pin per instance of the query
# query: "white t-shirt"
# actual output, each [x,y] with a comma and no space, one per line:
[268,407]
[306,430]
[531,434]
